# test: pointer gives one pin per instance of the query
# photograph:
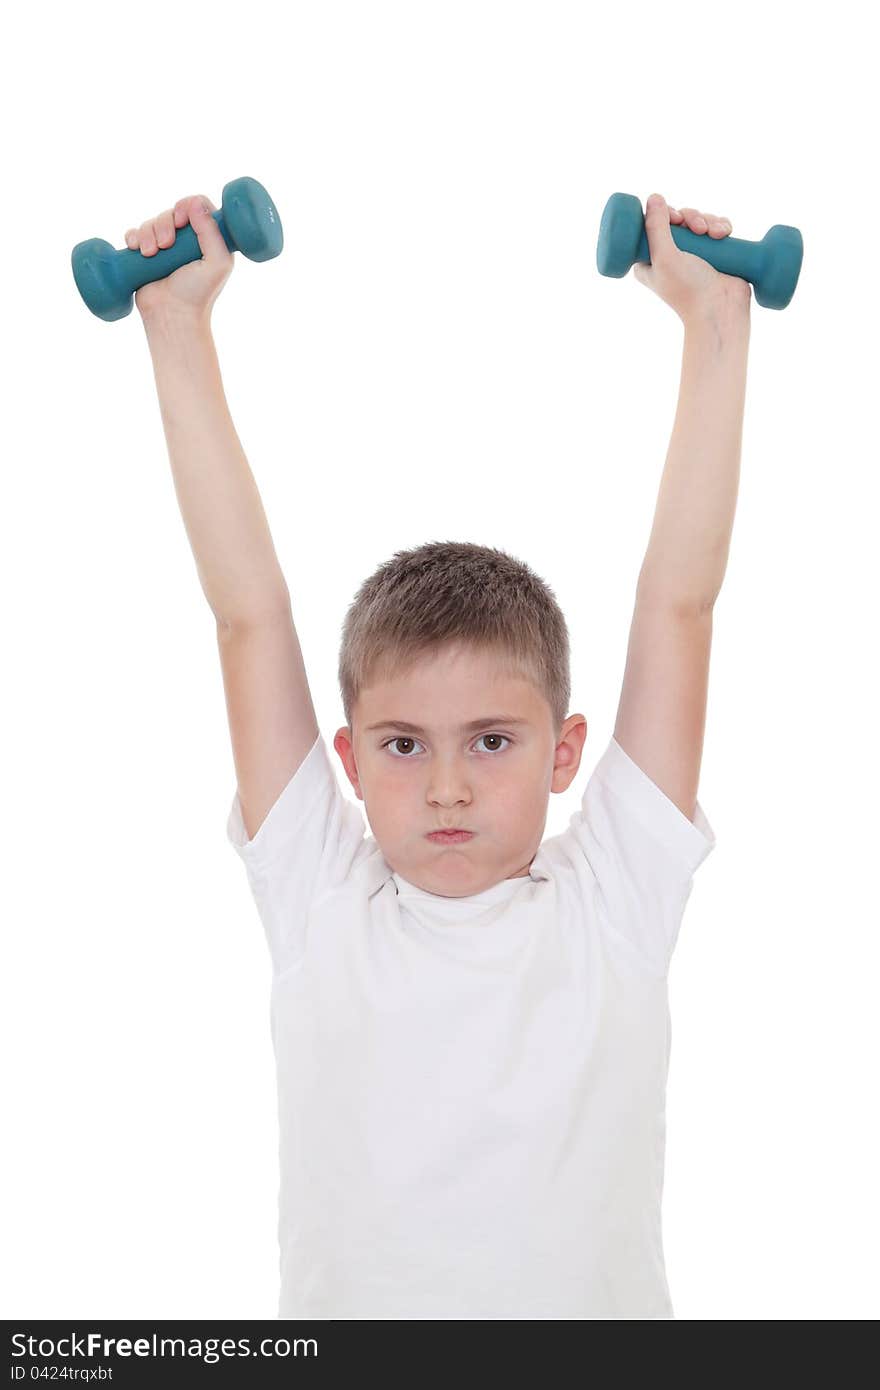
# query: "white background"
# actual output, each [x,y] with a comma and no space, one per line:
[433,356]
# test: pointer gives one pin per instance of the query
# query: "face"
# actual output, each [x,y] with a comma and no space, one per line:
[493,778]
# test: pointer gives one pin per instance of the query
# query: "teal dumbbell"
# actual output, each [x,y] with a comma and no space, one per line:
[771,265]
[107,278]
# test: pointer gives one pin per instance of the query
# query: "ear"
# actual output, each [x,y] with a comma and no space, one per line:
[344,747]
[567,754]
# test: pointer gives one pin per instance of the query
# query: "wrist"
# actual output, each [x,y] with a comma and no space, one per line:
[725,314]
[178,322]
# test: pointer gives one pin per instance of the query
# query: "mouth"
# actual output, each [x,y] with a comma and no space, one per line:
[450,837]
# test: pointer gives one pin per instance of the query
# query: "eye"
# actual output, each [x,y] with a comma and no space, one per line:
[401,738]
[495,750]
[406,738]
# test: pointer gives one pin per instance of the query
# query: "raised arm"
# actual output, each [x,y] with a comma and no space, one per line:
[662,713]
[271,715]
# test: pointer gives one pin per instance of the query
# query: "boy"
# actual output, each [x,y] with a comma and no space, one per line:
[470,1026]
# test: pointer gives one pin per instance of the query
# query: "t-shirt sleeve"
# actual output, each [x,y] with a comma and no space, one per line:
[308,842]
[643,852]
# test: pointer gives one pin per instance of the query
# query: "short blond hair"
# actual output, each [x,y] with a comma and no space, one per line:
[455,593]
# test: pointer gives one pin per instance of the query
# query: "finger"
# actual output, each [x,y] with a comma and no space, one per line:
[165,230]
[148,244]
[718,226]
[132,237]
[695,220]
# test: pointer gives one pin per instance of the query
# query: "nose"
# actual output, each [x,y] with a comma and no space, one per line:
[448,786]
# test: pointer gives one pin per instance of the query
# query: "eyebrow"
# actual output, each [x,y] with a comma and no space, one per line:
[465,728]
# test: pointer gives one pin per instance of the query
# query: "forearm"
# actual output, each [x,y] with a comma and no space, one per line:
[218,497]
[689,543]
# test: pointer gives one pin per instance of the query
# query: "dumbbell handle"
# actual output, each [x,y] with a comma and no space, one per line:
[731,255]
[134,269]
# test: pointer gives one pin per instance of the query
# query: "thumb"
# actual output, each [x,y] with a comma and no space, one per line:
[211,241]
[660,241]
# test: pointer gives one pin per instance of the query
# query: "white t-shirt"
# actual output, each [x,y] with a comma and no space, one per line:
[471,1091]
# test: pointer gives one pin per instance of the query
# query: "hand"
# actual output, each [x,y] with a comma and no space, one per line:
[687,283]
[191,288]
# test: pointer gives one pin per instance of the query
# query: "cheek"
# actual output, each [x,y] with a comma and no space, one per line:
[392,795]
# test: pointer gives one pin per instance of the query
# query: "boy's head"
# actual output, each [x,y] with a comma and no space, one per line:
[442,637]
